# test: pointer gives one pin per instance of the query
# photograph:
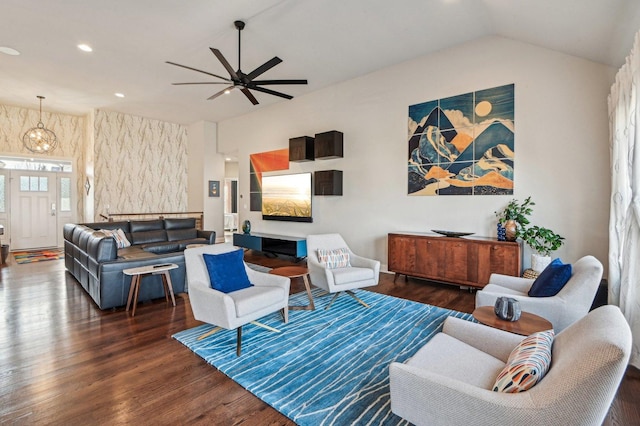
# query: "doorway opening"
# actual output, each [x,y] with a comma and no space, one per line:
[230,207]
[36,199]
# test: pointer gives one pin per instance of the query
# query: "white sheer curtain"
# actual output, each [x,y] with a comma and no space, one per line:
[624,222]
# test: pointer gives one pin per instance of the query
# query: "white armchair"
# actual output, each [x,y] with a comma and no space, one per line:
[449,380]
[563,309]
[233,310]
[363,272]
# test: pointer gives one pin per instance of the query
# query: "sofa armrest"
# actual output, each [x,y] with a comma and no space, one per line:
[213,307]
[497,343]
[515,283]
[265,279]
[320,276]
[363,262]
[421,397]
[209,235]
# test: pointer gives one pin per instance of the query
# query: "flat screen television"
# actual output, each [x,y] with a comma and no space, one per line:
[287,197]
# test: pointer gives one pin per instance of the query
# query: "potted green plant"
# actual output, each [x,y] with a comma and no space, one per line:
[514,217]
[543,242]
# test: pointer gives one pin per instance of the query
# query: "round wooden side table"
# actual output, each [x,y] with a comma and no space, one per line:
[527,324]
[295,272]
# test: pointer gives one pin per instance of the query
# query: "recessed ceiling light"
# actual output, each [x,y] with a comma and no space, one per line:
[226,92]
[227,159]
[120,95]
[9,51]
[85,48]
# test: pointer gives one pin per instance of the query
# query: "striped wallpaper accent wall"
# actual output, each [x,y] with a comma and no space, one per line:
[70,130]
[140,164]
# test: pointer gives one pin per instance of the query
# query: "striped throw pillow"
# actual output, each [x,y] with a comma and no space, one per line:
[118,235]
[527,364]
[337,258]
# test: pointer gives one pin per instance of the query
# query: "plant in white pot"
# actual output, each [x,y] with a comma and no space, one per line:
[543,242]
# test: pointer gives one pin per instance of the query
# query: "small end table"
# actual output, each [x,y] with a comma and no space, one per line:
[527,324]
[294,272]
[138,273]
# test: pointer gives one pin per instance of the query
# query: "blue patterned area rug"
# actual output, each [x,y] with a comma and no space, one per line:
[325,367]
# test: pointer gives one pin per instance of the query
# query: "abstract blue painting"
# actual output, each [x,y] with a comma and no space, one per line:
[463,145]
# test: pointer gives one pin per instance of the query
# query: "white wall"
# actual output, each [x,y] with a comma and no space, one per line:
[203,135]
[231,170]
[561,146]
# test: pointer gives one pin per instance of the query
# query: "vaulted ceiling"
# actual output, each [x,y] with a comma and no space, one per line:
[324,41]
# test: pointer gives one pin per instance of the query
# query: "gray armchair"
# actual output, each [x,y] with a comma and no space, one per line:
[363,272]
[449,380]
[233,310]
[563,309]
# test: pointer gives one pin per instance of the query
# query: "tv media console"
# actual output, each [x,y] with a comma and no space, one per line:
[276,244]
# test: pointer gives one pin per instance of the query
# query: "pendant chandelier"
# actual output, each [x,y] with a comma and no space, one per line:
[40,139]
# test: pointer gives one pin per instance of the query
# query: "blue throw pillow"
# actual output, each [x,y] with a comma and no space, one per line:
[551,280]
[226,271]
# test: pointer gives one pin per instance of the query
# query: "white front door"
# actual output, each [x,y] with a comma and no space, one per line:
[33,209]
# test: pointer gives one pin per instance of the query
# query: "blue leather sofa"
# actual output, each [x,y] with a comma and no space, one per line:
[94,259]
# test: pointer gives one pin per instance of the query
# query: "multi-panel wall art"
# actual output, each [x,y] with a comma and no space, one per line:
[463,145]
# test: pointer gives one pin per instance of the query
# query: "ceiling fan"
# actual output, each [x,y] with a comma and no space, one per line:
[238,79]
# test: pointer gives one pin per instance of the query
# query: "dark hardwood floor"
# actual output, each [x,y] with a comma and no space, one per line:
[63,361]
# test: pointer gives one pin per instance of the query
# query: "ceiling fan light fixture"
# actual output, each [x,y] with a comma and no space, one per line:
[9,51]
[246,82]
[39,139]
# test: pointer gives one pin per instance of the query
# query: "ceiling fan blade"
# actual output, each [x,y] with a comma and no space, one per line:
[271,92]
[267,82]
[197,70]
[203,82]
[222,92]
[250,96]
[264,67]
[225,63]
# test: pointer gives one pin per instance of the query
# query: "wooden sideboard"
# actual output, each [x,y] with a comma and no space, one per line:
[466,261]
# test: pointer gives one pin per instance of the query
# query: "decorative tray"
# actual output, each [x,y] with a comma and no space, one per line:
[451,233]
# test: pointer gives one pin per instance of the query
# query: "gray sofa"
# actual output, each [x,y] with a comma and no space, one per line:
[97,263]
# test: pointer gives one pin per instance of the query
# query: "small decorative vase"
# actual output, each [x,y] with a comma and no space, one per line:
[507,308]
[511,228]
[502,233]
[246,227]
[538,262]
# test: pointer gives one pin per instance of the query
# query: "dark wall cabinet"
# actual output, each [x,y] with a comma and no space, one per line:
[328,145]
[328,182]
[301,149]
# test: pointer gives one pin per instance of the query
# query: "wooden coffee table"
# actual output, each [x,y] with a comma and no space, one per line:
[294,272]
[527,324]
